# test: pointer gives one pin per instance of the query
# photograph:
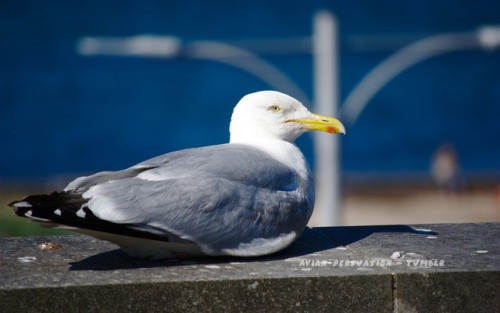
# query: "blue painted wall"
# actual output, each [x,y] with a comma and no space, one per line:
[62,113]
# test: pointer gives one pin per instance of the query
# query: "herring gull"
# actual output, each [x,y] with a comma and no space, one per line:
[252,196]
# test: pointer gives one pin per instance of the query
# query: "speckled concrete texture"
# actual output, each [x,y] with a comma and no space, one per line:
[438,268]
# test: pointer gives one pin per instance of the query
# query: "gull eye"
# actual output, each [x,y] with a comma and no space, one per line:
[275,108]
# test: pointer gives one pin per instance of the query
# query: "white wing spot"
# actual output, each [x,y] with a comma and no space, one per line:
[22,204]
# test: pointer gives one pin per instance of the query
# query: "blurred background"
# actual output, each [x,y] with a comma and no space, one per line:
[425,149]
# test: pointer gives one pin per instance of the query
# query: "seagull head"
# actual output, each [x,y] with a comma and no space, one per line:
[275,115]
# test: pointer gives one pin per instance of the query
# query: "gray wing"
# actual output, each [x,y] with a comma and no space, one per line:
[218,196]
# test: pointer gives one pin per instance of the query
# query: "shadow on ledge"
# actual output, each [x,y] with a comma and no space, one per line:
[311,241]
[346,235]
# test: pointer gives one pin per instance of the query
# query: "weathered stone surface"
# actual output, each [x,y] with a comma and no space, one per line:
[327,269]
[450,247]
[462,291]
[436,268]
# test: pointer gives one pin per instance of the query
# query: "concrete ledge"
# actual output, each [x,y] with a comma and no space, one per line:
[424,268]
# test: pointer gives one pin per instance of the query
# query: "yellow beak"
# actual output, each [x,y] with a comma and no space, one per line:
[323,123]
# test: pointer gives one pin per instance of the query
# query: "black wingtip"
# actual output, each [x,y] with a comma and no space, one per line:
[21,206]
[61,208]
[44,205]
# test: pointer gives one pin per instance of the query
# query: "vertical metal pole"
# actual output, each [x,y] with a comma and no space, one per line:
[326,97]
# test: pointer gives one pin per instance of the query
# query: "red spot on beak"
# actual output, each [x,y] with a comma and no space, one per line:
[331,130]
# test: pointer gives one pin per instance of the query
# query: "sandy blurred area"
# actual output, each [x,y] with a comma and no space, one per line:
[406,205]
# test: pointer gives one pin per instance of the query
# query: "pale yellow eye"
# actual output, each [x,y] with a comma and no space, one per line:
[275,108]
